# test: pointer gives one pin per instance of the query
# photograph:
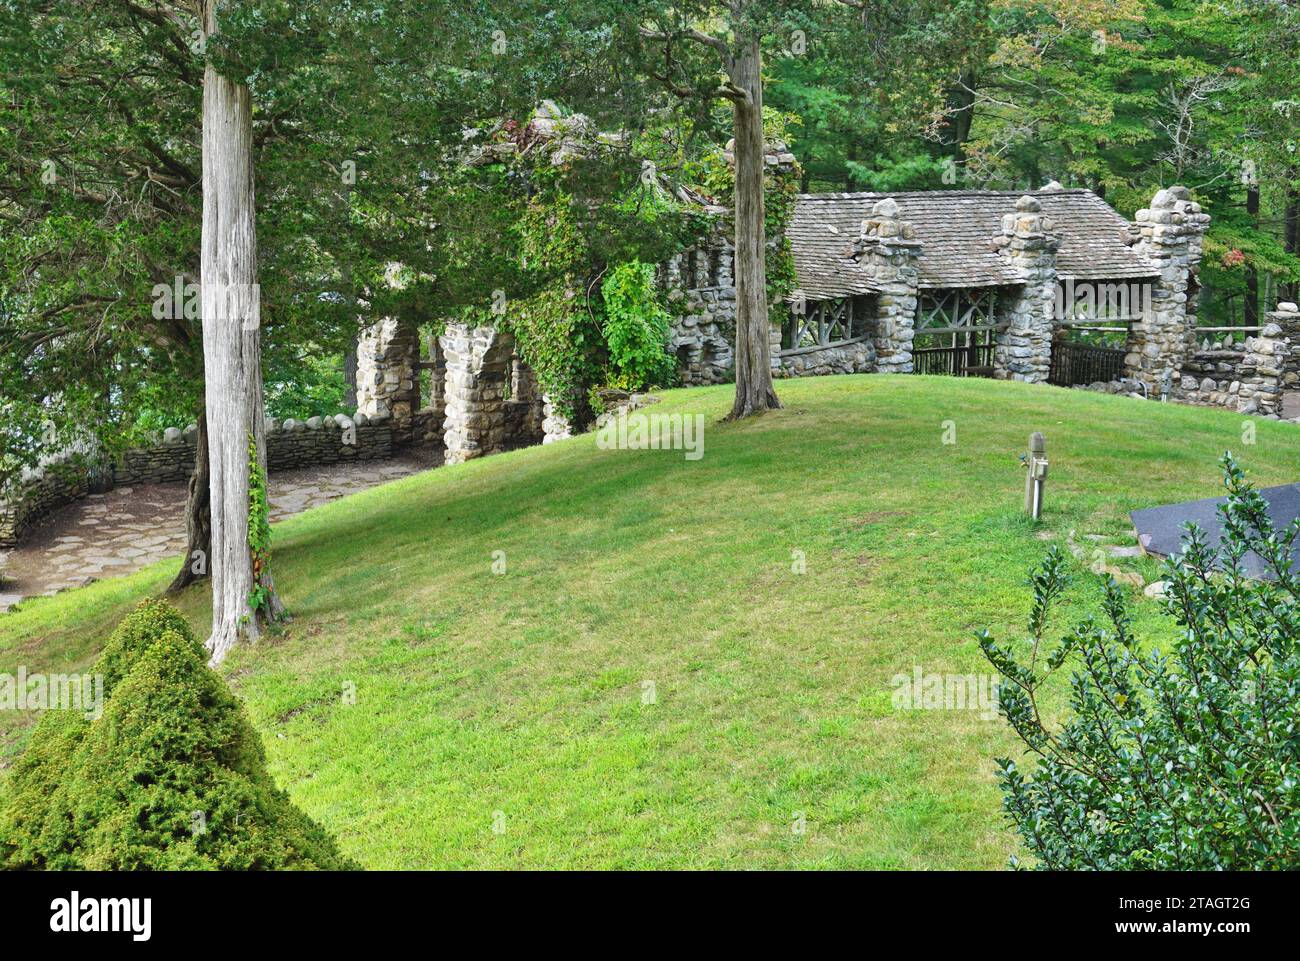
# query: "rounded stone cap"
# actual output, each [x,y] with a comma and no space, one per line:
[1050,185]
[1028,204]
[887,208]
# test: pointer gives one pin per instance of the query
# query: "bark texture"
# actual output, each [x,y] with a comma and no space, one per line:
[1251,312]
[754,391]
[231,351]
[1292,237]
[198,516]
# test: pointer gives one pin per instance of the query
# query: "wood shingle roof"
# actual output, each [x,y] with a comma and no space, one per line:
[956,228]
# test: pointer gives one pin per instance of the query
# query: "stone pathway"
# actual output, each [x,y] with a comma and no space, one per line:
[108,535]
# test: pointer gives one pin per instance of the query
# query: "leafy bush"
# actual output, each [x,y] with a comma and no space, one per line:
[1189,760]
[170,776]
[637,327]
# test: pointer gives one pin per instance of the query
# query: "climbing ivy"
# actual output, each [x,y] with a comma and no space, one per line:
[636,328]
[576,224]
[259,530]
[581,301]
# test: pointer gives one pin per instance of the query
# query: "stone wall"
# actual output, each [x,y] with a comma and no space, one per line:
[42,490]
[1287,317]
[855,358]
[1248,378]
[291,444]
[701,293]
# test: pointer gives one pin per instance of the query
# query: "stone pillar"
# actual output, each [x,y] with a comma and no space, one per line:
[555,426]
[478,363]
[1287,318]
[1029,242]
[889,252]
[1262,371]
[387,354]
[1170,233]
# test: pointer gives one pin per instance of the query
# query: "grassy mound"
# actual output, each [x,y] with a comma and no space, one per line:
[170,775]
[649,681]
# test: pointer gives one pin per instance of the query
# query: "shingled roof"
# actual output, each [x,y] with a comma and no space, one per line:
[956,228]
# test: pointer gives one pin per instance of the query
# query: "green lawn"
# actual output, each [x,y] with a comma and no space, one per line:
[516,699]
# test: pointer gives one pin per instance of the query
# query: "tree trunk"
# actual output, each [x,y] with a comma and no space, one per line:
[1252,275]
[962,104]
[231,350]
[754,391]
[1292,238]
[350,377]
[198,516]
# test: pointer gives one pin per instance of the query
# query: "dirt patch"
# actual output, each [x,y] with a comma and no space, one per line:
[876,517]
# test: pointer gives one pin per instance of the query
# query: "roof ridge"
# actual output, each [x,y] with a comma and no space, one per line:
[868,194]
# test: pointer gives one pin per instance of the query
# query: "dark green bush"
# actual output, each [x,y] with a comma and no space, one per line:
[1179,761]
[170,776]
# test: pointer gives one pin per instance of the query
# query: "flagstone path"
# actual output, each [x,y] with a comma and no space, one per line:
[108,535]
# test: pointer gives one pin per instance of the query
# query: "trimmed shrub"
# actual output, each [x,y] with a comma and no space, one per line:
[170,776]
[1180,761]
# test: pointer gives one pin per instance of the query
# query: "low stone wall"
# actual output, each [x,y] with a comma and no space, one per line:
[41,491]
[857,357]
[291,444]
[1248,378]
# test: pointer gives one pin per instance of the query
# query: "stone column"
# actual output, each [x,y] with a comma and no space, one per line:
[478,363]
[387,354]
[555,426]
[1170,233]
[1287,318]
[1029,242]
[1262,371]
[889,252]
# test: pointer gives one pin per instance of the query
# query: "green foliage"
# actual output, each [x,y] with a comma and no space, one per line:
[1178,761]
[636,328]
[259,530]
[170,776]
[311,385]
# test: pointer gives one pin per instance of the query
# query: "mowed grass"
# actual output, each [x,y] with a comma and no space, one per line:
[500,719]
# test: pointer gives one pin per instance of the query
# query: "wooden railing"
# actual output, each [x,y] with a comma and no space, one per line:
[1074,364]
[974,361]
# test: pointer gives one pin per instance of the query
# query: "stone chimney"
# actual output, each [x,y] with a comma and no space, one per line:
[887,250]
[1170,233]
[1029,243]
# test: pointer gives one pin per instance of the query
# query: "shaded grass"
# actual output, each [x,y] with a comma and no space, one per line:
[517,700]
